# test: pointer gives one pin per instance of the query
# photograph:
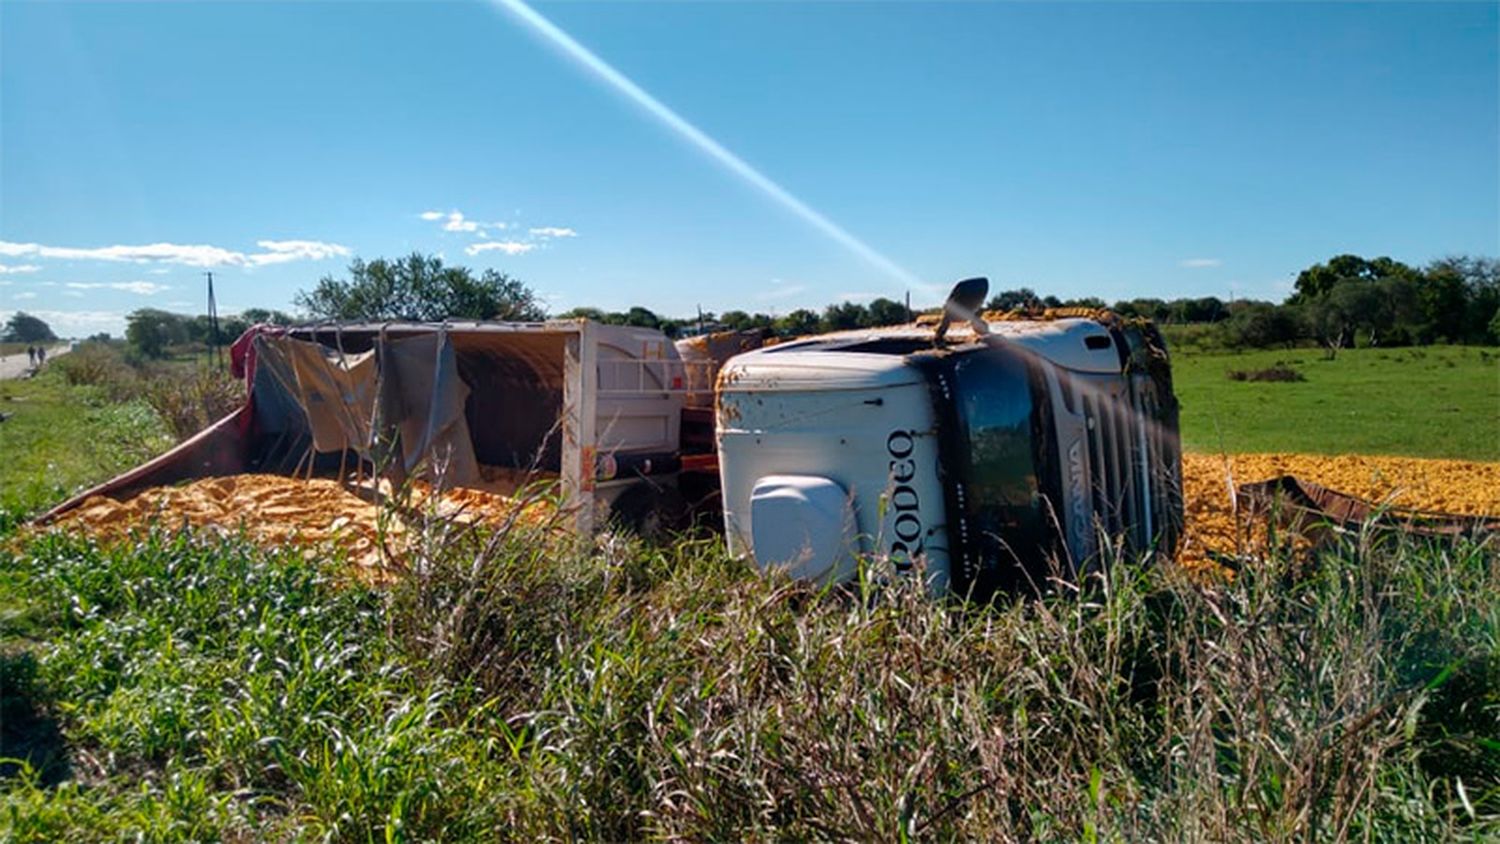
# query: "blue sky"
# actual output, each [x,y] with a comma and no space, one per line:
[1111,150]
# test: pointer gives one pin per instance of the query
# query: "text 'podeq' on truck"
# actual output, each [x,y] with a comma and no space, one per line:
[978,455]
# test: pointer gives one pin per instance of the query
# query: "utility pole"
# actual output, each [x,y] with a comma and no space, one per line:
[215,354]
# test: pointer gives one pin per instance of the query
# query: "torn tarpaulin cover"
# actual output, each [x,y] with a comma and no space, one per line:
[406,392]
[422,397]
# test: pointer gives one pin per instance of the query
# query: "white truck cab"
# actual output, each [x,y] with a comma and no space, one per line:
[977,458]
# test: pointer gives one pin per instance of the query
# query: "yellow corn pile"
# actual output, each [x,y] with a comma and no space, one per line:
[1449,486]
[274,510]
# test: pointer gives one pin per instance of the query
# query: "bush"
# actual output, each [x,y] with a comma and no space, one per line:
[190,402]
[100,365]
[1201,337]
[188,398]
[1279,372]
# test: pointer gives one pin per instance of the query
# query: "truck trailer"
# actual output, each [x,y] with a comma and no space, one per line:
[975,451]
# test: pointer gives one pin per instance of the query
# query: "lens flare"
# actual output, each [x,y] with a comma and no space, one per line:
[621,83]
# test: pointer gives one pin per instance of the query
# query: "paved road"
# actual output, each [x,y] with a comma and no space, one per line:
[15,365]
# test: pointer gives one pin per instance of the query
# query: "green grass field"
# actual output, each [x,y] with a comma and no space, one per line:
[1439,401]
[193,688]
[58,438]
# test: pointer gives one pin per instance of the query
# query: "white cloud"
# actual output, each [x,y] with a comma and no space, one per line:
[509,247]
[1199,263]
[455,221]
[159,271]
[536,237]
[73,294]
[284,251]
[25,294]
[77,323]
[142,288]
[192,255]
[18,268]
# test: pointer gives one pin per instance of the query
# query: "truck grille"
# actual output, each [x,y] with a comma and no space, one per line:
[1133,474]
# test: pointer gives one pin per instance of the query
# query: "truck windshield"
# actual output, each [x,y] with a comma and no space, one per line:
[1001,451]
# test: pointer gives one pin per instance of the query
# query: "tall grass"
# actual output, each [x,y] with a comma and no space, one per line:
[525,687]
[187,397]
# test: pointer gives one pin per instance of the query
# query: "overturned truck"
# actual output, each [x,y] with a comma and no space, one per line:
[977,451]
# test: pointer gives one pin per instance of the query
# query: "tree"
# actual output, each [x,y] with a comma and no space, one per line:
[419,287]
[797,323]
[25,328]
[1320,279]
[150,331]
[1261,325]
[1207,309]
[642,318]
[1480,279]
[885,311]
[1010,300]
[1152,308]
[844,316]
[736,320]
[261,315]
[1093,302]
[584,313]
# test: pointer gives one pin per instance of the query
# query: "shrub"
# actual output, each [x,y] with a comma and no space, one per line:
[100,365]
[189,402]
[1279,372]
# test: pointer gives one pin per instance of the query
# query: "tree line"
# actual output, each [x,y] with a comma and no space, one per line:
[1344,301]
[1338,303]
[1351,300]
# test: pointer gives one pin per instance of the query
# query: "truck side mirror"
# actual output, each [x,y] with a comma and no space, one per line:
[964,302]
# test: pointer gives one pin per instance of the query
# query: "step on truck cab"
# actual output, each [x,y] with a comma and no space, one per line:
[978,456]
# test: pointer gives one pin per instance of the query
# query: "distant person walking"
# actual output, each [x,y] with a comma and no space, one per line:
[31,355]
[41,355]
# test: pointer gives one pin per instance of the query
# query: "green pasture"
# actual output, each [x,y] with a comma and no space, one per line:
[58,438]
[1434,401]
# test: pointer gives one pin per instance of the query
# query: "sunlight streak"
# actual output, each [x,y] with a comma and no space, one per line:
[695,136]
